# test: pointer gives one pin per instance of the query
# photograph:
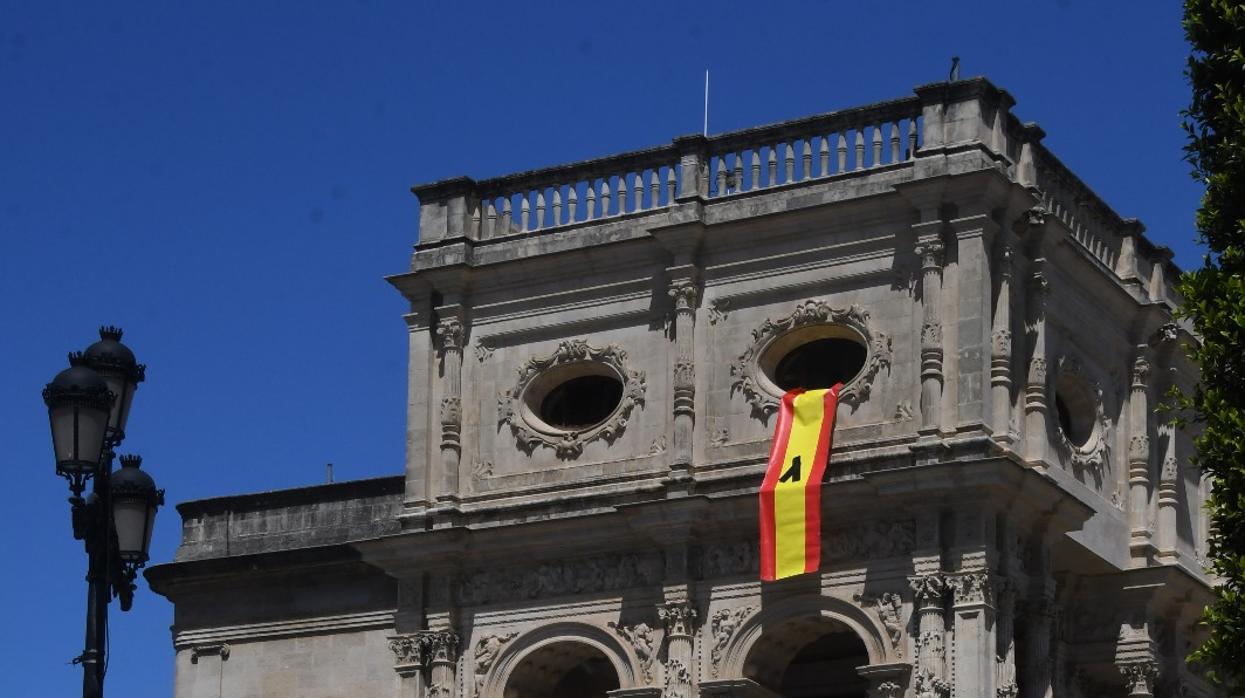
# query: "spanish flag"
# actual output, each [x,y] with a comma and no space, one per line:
[791,493]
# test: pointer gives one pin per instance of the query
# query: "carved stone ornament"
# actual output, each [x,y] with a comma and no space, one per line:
[582,576]
[889,607]
[678,680]
[683,292]
[531,432]
[871,540]
[750,380]
[1093,454]
[215,649]
[450,334]
[407,649]
[972,588]
[888,689]
[723,624]
[1140,676]
[486,650]
[442,646]
[644,640]
[678,618]
[718,310]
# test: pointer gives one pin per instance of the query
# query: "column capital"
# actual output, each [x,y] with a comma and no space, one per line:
[1140,677]
[678,616]
[449,334]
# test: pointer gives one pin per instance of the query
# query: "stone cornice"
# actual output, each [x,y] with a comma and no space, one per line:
[347,622]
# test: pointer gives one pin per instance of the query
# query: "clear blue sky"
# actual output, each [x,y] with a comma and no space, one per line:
[228,181]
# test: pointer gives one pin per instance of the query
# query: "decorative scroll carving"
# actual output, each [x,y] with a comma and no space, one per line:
[216,649]
[683,292]
[659,446]
[678,617]
[642,639]
[569,444]
[889,607]
[583,576]
[903,411]
[678,680]
[482,469]
[723,624]
[746,375]
[407,649]
[449,334]
[1140,677]
[442,646]
[718,310]
[972,588]
[484,351]
[486,651]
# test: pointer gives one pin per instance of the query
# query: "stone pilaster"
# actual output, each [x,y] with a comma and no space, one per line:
[930,251]
[1001,350]
[1139,456]
[680,621]
[685,294]
[450,334]
[409,654]
[975,644]
[1005,643]
[1168,498]
[442,657]
[930,672]
[1035,382]
[417,497]
[1040,622]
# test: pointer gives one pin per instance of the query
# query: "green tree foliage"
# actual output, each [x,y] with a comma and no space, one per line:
[1214,300]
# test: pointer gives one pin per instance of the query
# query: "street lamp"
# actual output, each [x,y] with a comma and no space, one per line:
[88,405]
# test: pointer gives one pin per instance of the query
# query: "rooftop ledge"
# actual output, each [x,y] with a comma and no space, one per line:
[939,118]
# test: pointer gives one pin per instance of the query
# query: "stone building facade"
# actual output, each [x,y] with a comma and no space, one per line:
[596,353]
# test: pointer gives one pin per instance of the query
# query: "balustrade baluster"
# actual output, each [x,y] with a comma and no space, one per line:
[572,202]
[622,193]
[739,171]
[756,168]
[911,137]
[506,221]
[654,189]
[773,167]
[860,148]
[605,197]
[591,203]
[557,206]
[894,142]
[842,152]
[671,185]
[721,175]
[525,211]
[790,160]
[540,210]
[492,218]
[877,145]
[475,219]
[807,163]
[637,188]
[824,151]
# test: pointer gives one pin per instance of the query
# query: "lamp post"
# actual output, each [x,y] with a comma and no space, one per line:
[88,405]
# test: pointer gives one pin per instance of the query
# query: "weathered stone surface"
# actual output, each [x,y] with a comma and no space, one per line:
[989,523]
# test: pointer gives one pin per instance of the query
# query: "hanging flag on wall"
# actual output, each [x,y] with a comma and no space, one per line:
[791,493]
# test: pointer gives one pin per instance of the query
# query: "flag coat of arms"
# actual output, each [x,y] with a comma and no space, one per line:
[791,492]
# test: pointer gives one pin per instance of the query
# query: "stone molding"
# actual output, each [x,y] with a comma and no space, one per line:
[371,620]
[219,649]
[747,377]
[570,443]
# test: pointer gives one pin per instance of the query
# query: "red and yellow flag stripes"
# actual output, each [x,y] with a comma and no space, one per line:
[791,493]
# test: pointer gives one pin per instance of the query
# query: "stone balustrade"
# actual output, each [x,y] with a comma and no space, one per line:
[940,119]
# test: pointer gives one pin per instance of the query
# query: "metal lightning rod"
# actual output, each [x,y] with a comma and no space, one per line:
[706,131]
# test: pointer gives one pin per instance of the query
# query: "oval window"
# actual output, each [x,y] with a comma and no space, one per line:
[820,364]
[1076,409]
[581,402]
[573,396]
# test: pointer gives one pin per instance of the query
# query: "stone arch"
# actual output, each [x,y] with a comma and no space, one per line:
[523,646]
[867,628]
